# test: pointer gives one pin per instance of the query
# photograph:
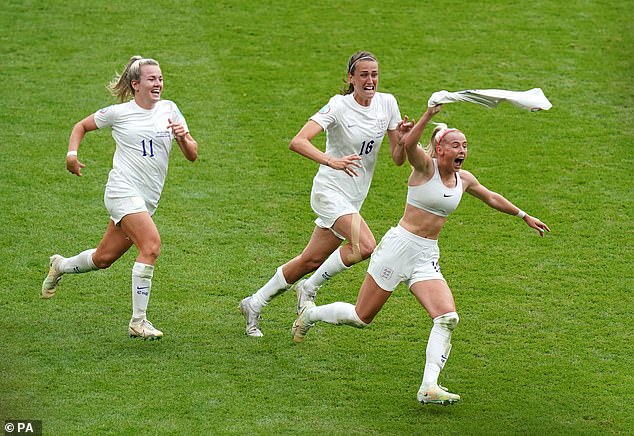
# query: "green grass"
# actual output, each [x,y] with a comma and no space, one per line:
[544,345]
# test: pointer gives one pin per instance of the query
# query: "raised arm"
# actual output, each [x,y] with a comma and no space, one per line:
[416,154]
[302,144]
[498,202]
[185,141]
[396,140]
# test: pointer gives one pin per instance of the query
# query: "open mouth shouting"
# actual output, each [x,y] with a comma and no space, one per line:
[368,91]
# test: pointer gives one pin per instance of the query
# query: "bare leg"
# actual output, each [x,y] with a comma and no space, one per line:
[359,246]
[435,296]
[142,231]
[370,301]
[112,246]
[321,245]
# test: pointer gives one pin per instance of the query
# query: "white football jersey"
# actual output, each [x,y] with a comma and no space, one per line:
[354,129]
[143,144]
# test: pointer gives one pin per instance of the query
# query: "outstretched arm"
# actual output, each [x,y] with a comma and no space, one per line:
[498,202]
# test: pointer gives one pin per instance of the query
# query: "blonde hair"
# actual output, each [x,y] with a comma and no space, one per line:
[352,62]
[121,85]
[437,136]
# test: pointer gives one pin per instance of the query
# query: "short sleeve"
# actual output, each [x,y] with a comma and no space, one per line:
[105,117]
[395,113]
[327,115]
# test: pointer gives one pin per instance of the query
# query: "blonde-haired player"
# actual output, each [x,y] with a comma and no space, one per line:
[143,129]
[409,252]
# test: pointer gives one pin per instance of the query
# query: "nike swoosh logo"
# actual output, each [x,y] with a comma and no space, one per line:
[143,287]
[445,195]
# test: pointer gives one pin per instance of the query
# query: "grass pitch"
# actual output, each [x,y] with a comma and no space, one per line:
[544,344]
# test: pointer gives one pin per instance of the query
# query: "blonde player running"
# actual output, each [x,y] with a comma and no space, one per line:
[143,129]
[409,252]
[355,124]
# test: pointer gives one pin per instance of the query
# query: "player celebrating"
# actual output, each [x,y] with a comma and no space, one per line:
[409,252]
[355,124]
[143,129]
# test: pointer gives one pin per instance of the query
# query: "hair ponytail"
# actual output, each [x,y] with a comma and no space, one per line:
[437,135]
[121,85]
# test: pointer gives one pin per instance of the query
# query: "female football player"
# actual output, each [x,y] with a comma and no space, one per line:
[355,124]
[409,252]
[143,129]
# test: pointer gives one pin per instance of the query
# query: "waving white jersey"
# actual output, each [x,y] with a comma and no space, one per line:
[143,144]
[354,129]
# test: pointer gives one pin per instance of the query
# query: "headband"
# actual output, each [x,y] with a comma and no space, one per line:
[361,59]
[442,134]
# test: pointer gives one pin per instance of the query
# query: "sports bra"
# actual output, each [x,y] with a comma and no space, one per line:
[434,197]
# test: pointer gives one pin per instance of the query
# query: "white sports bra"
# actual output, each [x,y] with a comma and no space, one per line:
[434,197]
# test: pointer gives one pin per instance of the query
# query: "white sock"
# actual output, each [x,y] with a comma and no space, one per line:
[438,347]
[77,264]
[336,313]
[141,286]
[274,287]
[330,268]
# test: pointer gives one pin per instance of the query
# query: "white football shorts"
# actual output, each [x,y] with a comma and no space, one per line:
[402,256]
[122,206]
[330,205]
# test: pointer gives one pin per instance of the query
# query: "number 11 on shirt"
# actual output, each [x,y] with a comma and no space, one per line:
[150,145]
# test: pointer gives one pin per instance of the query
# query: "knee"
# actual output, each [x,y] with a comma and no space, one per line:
[151,250]
[362,250]
[367,248]
[448,320]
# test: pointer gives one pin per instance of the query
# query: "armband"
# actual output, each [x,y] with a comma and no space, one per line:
[71,153]
[520,214]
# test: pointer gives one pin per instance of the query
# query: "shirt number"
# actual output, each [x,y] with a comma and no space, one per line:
[366,147]
[150,147]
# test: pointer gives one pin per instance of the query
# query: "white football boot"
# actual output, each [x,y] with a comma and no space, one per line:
[49,286]
[302,324]
[436,394]
[302,296]
[252,318]
[144,329]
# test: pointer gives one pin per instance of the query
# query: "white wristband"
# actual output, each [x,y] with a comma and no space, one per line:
[72,153]
[520,214]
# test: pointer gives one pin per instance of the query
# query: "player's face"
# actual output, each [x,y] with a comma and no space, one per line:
[148,89]
[365,81]
[453,149]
